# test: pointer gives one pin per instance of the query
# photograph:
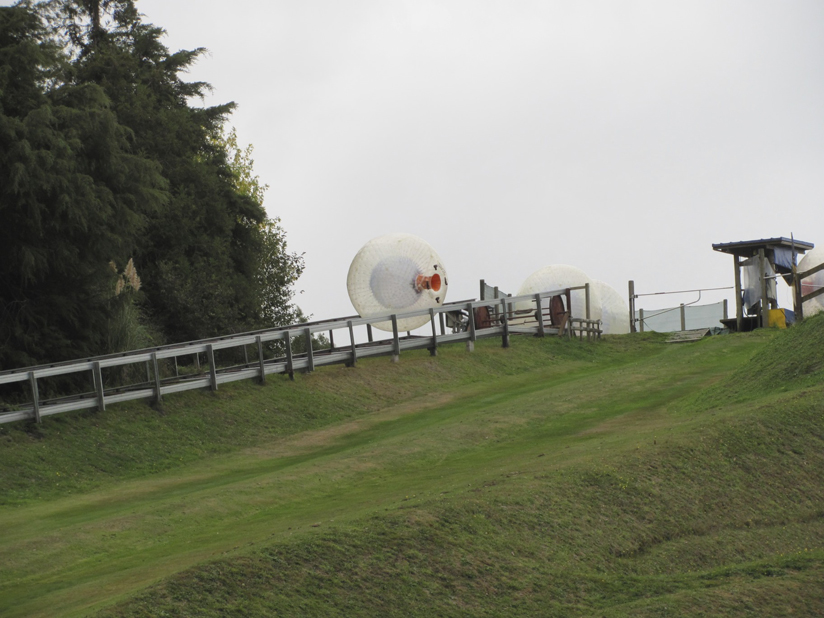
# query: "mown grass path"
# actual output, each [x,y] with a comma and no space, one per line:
[71,555]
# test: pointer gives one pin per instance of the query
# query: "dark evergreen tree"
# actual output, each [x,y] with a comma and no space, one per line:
[199,256]
[103,158]
[73,197]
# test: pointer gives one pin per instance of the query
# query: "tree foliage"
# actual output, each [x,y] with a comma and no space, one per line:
[73,196]
[278,270]
[104,158]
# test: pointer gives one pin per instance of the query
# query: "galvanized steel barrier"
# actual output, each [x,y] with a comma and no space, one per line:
[461,316]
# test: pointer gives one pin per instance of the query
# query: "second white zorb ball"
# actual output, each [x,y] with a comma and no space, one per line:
[614,310]
[560,277]
[396,273]
[813,282]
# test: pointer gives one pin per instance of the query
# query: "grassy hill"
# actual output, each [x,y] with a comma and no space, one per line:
[626,477]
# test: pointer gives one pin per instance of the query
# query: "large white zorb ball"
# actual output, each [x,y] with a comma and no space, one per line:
[813,282]
[614,310]
[560,277]
[396,273]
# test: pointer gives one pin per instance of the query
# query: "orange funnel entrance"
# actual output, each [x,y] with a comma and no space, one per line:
[422,282]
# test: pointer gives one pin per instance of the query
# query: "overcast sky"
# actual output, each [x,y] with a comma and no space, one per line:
[623,138]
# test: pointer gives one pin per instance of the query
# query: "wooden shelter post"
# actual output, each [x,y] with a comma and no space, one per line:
[739,305]
[762,280]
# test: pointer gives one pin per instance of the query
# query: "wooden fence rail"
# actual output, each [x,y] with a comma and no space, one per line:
[798,297]
[102,369]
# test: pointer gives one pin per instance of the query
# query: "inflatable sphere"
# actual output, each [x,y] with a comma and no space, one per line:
[813,282]
[614,310]
[559,277]
[396,273]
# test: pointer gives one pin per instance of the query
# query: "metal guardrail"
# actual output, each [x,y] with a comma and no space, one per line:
[461,315]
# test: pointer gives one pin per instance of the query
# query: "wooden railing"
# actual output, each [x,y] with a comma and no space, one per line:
[800,298]
[163,370]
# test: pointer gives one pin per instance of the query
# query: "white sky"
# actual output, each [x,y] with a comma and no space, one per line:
[623,138]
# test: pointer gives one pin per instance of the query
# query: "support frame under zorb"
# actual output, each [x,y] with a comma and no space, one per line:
[396,273]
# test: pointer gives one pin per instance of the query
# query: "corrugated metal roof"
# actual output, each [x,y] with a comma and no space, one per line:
[751,247]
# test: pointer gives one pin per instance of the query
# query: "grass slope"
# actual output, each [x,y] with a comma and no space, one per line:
[624,478]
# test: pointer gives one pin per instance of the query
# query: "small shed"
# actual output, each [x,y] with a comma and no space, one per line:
[763,260]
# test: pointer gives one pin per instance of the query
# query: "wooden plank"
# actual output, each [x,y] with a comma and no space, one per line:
[310,354]
[798,304]
[98,386]
[540,315]
[354,346]
[210,355]
[396,344]
[290,363]
[765,304]
[739,305]
[35,397]
[687,336]
[505,324]
[261,360]
[812,295]
[433,351]
[158,393]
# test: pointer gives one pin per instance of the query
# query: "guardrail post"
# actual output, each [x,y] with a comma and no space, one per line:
[396,342]
[540,315]
[290,368]
[354,360]
[158,394]
[765,304]
[35,396]
[470,345]
[739,301]
[331,339]
[798,304]
[433,351]
[443,325]
[174,358]
[210,352]
[98,386]
[197,361]
[683,317]
[260,360]
[310,354]
[369,332]
[505,322]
